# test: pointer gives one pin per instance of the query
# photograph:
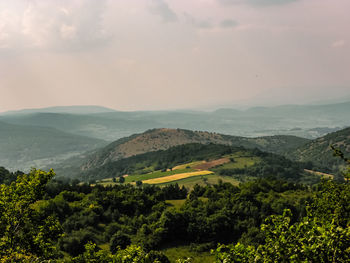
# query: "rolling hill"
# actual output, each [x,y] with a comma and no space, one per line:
[202,164]
[23,147]
[162,139]
[320,153]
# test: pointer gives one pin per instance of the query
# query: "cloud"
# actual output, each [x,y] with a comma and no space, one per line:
[228,23]
[52,25]
[338,43]
[257,2]
[162,9]
[199,23]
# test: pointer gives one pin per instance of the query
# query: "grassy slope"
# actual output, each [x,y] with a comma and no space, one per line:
[240,159]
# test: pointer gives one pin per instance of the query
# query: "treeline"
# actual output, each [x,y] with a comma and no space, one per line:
[7,177]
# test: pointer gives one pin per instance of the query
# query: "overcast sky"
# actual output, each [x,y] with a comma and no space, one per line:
[168,54]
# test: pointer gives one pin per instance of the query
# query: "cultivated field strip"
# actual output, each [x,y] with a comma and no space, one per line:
[176,177]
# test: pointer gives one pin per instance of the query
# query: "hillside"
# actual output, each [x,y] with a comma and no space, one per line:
[23,147]
[162,139]
[319,152]
[198,163]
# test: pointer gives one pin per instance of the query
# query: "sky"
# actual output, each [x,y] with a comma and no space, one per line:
[172,54]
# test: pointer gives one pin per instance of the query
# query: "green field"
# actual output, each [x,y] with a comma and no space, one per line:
[183,252]
[143,177]
[189,182]
[178,203]
[175,203]
[240,161]
[183,166]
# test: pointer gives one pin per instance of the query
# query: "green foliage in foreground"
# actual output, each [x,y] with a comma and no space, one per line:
[132,254]
[136,220]
[24,233]
[323,235]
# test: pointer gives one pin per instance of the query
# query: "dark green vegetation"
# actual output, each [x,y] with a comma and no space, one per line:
[320,153]
[42,219]
[323,235]
[25,232]
[22,147]
[6,177]
[140,215]
[241,164]
[270,219]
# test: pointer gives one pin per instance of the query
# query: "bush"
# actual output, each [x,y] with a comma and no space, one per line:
[119,240]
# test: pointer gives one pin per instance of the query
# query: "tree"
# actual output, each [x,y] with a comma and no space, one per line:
[24,232]
[323,235]
[121,179]
[132,254]
[119,240]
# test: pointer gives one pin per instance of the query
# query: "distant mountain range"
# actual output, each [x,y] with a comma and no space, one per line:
[23,147]
[62,109]
[308,121]
[45,137]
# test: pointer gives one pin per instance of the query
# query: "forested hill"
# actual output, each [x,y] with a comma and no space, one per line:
[215,161]
[162,139]
[320,153]
[23,147]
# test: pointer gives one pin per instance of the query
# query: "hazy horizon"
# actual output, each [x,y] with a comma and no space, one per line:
[173,55]
[208,108]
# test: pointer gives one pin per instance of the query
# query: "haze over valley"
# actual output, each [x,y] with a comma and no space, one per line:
[159,131]
[97,125]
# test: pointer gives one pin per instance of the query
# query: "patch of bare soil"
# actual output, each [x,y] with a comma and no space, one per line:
[211,164]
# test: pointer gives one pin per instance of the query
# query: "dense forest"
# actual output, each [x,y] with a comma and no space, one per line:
[266,220]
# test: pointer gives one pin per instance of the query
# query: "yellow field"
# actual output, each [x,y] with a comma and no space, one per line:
[175,177]
[323,175]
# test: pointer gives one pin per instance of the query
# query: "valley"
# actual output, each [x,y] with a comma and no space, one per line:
[168,193]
